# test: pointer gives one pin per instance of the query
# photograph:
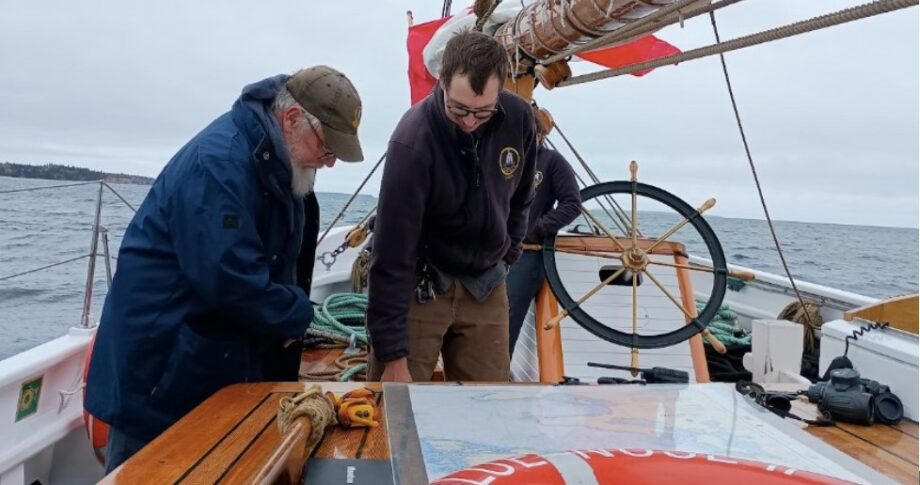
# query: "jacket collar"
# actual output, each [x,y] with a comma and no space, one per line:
[252,114]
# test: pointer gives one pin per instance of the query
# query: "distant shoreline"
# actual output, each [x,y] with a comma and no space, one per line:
[53,171]
[64,173]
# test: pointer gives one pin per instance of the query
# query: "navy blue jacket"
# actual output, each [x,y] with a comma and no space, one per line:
[554,181]
[207,280]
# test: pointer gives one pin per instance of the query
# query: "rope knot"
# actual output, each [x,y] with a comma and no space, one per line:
[312,404]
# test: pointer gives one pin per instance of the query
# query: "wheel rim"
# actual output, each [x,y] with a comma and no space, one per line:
[634,340]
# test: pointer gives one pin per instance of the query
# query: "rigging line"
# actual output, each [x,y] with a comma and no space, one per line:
[29,189]
[367,216]
[8,277]
[481,21]
[747,151]
[351,199]
[817,23]
[119,196]
[621,214]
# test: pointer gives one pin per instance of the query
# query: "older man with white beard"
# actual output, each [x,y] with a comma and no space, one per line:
[214,270]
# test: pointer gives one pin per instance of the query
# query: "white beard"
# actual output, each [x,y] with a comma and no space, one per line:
[302,180]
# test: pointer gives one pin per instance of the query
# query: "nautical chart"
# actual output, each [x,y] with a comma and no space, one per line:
[463,426]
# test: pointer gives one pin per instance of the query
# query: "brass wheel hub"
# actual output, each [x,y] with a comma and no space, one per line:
[635,259]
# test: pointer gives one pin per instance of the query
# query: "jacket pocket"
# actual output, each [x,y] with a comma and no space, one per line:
[198,367]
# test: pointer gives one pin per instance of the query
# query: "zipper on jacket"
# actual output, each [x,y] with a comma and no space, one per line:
[477,165]
[477,181]
[485,199]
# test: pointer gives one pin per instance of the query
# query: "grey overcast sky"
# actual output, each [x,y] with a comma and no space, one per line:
[831,116]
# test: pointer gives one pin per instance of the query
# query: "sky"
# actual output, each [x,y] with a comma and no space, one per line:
[831,116]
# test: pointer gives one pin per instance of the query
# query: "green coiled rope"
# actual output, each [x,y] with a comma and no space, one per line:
[331,318]
[340,318]
[723,326]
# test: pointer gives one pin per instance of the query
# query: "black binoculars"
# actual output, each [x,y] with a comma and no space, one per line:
[848,398]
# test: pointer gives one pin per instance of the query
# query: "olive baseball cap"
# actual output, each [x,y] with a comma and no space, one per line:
[329,96]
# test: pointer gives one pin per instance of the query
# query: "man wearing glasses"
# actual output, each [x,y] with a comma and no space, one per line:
[452,212]
[214,270]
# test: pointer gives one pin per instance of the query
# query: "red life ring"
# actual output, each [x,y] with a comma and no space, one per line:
[96,430]
[615,466]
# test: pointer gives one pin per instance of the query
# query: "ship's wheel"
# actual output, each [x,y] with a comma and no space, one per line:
[637,246]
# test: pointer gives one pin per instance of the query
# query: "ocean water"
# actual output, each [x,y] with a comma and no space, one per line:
[44,227]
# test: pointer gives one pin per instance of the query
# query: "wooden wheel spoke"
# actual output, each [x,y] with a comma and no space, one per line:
[634,222]
[741,275]
[703,208]
[565,312]
[702,269]
[602,227]
[594,254]
[634,354]
[669,295]
[635,302]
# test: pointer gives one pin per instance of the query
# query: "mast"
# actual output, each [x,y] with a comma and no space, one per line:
[547,30]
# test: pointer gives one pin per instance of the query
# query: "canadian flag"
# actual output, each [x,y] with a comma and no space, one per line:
[421,80]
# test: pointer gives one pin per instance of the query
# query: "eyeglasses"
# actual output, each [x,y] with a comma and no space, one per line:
[479,114]
[313,121]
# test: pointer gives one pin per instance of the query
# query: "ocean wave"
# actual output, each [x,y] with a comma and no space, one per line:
[7,294]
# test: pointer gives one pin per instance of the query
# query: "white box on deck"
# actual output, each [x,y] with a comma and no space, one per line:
[776,351]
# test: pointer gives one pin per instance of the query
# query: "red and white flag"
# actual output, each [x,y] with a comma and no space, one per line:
[421,81]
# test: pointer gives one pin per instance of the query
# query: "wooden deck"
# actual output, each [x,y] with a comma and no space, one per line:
[231,436]
[891,450]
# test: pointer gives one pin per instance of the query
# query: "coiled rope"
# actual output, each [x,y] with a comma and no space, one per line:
[340,319]
[808,314]
[333,316]
[724,326]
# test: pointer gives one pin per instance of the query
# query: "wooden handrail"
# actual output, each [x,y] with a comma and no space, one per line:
[901,312]
[285,465]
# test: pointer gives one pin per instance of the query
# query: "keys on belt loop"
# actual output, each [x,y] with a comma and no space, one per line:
[425,291]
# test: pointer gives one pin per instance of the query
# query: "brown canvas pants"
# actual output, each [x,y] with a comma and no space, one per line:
[471,336]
